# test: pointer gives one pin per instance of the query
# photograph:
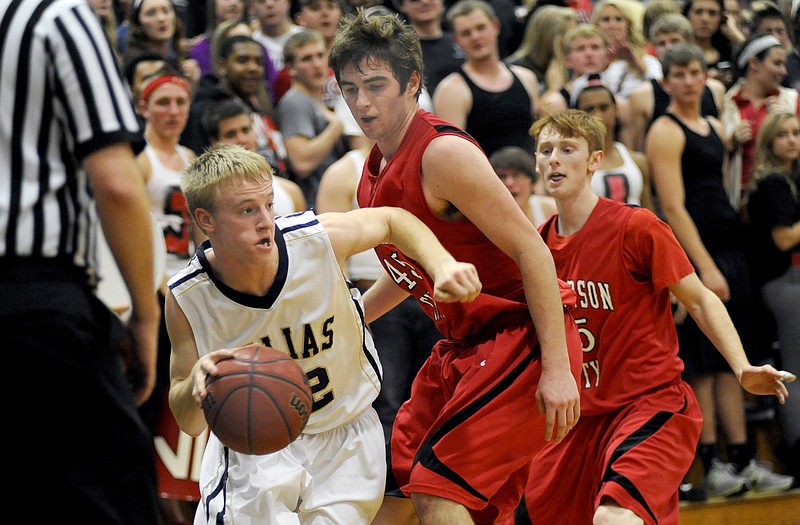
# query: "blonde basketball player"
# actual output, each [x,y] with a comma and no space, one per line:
[280,283]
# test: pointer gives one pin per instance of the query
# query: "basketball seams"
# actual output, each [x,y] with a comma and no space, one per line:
[256,373]
[251,390]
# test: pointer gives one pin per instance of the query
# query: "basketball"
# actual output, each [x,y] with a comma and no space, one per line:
[259,402]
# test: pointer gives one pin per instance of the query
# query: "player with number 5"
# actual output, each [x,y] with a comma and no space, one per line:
[279,282]
[640,422]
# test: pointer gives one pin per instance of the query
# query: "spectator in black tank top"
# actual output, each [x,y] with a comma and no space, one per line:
[649,101]
[491,101]
[686,154]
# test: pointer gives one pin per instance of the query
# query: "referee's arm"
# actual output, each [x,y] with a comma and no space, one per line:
[121,203]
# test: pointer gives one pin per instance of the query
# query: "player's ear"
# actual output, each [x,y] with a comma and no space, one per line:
[204,219]
[141,107]
[414,82]
[596,160]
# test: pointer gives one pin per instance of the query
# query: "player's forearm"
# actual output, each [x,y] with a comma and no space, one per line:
[544,302]
[188,415]
[416,240]
[712,317]
[381,297]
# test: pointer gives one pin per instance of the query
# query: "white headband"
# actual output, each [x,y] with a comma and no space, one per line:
[755,47]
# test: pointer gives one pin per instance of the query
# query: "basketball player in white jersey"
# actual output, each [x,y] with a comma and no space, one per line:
[280,283]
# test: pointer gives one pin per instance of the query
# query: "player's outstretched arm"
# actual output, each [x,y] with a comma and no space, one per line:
[712,317]
[365,228]
[187,372]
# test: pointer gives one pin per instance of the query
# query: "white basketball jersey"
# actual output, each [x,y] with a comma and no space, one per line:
[310,313]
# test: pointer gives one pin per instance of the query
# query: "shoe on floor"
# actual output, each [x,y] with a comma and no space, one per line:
[723,481]
[760,477]
[688,492]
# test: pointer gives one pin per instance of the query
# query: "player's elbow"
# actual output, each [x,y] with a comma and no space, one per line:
[705,303]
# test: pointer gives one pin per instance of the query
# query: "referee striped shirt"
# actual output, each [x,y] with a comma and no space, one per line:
[61,99]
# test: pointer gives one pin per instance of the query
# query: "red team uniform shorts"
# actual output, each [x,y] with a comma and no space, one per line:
[472,425]
[636,456]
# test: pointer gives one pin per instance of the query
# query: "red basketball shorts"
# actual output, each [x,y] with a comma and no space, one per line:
[472,426]
[636,457]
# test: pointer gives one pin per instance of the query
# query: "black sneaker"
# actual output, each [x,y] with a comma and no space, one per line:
[688,492]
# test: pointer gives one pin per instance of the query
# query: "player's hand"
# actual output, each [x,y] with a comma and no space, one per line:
[766,380]
[204,367]
[559,401]
[456,282]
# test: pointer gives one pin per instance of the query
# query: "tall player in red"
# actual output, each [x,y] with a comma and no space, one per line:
[462,445]
[640,422]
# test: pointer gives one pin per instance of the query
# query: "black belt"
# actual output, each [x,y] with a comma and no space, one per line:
[55,269]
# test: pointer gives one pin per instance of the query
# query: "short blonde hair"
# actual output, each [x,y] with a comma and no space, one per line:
[299,39]
[582,31]
[466,7]
[218,166]
[573,123]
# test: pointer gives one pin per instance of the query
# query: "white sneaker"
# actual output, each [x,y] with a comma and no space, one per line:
[760,477]
[722,480]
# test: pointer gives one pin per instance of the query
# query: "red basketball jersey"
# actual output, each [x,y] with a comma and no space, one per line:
[400,184]
[623,313]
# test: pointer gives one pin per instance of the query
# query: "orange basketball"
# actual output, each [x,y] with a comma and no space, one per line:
[259,402]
